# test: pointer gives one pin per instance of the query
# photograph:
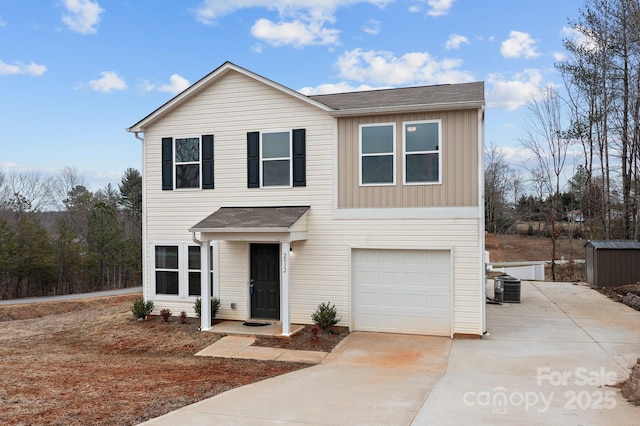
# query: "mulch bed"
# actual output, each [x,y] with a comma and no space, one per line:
[303,340]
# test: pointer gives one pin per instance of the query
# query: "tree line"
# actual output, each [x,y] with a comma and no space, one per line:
[57,237]
[597,116]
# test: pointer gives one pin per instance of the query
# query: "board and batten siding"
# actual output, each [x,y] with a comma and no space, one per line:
[320,266]
[459,150]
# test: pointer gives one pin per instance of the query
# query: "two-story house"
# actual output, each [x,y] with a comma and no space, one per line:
[275,202]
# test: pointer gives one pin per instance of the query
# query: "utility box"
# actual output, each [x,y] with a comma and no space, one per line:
[498,289]
[510,289]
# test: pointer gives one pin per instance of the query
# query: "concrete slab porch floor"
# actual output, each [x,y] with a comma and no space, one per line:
[552,359]
[239,328]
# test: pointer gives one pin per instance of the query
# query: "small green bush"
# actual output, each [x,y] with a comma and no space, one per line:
[215,305]
[325,316]
[142,309]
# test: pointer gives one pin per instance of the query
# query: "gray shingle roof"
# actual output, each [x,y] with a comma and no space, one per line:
[614,244]
[407,96]
[251,218]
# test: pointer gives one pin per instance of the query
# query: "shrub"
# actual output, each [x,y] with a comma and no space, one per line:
[325,316]
[315,330]
[165,314]
[215,305]
[183,317]
[142,309]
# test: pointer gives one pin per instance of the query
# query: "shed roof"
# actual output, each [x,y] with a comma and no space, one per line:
[614,245]
[251,218]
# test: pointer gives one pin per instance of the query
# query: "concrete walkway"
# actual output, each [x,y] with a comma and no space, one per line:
[549,360]
[240,347]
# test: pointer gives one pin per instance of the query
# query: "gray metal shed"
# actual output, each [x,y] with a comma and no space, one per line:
[612,263]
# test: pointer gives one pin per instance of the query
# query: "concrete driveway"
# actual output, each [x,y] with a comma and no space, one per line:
[548,360]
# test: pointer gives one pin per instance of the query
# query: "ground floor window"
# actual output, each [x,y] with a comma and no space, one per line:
[177,270]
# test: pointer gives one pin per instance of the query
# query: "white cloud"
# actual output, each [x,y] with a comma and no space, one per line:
[439,7]
[83,15]
[519,45]
[2,23]
[559,56]
[176,84]
[379,67]
[301,22]
[341,87]
[295,33]
[455,40]
[580,37]
[513,92]
[372,27]
[22,69]
[108,82]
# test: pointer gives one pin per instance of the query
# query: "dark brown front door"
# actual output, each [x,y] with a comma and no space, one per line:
[265,281]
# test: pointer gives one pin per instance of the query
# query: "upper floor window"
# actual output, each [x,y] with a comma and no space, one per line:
[276,158]
[187,163]
[422,152]
[377,154]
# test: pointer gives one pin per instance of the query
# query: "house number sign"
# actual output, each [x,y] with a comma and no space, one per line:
[284,262]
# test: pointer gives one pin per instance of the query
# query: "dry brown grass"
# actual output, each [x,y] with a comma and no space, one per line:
[92,362]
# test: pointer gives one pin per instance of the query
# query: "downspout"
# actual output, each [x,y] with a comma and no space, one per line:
[145,290]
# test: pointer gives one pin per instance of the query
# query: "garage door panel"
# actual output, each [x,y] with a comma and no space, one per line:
[402,291]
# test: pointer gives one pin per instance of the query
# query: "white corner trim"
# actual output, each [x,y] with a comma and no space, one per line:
[408,213]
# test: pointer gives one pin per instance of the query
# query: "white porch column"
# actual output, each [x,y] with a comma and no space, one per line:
[205,286]
[284,291]
[215,265]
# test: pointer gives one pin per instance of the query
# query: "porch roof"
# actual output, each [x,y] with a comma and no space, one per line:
[254,223]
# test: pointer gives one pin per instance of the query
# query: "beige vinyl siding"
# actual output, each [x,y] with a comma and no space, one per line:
[459,164]
[320,267]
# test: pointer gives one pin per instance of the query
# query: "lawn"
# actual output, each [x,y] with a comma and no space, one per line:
[91,362]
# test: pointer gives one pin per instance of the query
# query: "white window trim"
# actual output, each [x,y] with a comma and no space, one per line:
[405,153]
[361,155]
[290,159]
[183,271]
[175,163]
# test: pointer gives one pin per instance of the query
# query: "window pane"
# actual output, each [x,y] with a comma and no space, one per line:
[188,176]
[187,150]
[377,169]
[275,145]
[422,137]
[166,257]
[377,139]
[194,257]
[166,282]
[275,173]
[422,168]
[194,284]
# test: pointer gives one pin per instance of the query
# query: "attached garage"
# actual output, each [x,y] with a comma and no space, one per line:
[402,291]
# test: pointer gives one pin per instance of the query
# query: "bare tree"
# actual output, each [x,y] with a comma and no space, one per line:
[548,143]
[496,188]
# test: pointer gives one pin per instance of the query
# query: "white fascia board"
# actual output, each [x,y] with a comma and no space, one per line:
[212,76]
[445,106]
[408,213]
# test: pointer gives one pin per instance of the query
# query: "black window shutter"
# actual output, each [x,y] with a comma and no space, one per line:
[167,164]
[299,158]
[207,162]
[253,160]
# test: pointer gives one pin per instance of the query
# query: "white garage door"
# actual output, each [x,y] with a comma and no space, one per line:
[402,291]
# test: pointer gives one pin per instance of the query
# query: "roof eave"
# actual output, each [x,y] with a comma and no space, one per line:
[265,229]
[406,108]
[212,76]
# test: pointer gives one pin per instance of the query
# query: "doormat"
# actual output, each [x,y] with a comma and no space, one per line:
[255,324]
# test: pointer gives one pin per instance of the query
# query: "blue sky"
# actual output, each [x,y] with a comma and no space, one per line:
[75,73]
